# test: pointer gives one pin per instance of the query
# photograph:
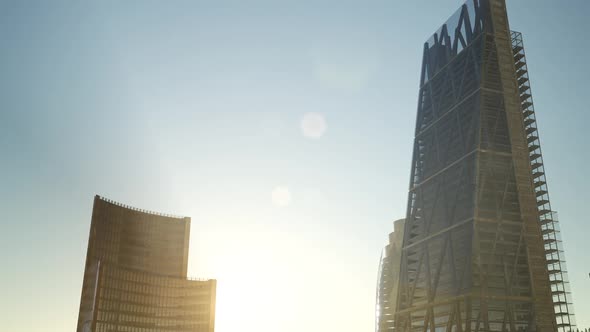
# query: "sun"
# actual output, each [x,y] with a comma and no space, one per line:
[251,277]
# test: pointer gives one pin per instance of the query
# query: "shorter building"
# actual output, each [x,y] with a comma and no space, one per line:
[387,283]
[134,301]
[135,279]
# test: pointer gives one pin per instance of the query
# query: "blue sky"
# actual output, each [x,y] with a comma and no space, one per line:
[195,108]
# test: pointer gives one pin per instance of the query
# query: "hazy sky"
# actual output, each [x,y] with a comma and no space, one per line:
[196,108]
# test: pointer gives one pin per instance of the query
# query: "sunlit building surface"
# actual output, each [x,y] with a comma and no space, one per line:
[481,248]
[135,278]
[387,282]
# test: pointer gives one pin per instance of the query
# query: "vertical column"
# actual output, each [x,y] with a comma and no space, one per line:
[187,234]
[213,290]
[544,317]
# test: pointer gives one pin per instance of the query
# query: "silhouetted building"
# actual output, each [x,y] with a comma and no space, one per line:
[135,278]
[481,248]
[387,282]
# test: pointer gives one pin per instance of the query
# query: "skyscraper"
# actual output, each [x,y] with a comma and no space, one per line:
[135,277]
[481,248]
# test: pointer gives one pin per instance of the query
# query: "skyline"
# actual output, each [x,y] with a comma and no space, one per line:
[198,111]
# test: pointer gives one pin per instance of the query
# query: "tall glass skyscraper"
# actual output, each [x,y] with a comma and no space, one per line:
[481,248]
[135,278]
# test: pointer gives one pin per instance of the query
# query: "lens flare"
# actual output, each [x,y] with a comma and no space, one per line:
[313,125]
[281,196]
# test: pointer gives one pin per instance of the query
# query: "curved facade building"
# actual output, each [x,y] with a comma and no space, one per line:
[135,278]
[387,283]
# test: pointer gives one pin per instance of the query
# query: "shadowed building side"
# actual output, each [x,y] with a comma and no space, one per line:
[135,275]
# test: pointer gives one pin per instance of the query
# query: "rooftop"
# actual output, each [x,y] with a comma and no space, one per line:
[104,199]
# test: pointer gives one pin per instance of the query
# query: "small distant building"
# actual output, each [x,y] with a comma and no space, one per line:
[135,278]
[387,283]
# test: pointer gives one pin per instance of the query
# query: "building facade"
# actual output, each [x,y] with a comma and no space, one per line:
[481,249]
[387,282]
[135,277]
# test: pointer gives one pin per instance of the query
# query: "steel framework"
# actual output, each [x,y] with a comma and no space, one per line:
[479,231]
[556,266]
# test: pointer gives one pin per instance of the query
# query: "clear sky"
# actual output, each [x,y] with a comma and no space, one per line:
[196,108]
